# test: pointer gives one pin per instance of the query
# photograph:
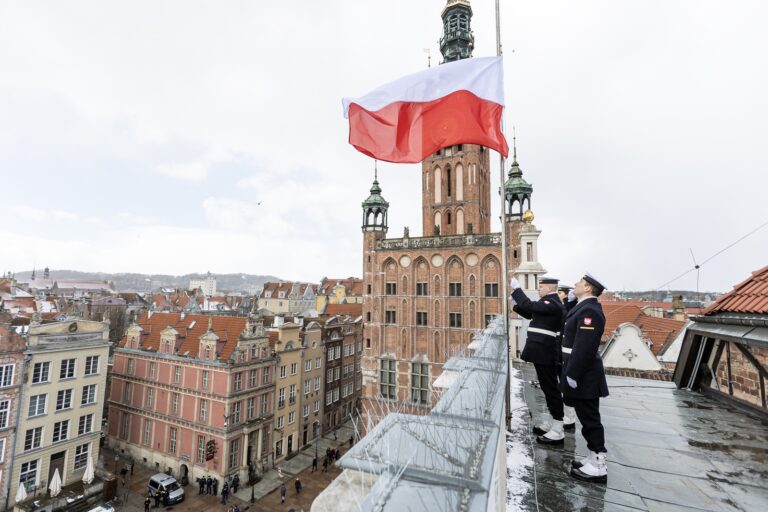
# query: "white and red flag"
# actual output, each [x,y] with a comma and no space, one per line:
[409,119]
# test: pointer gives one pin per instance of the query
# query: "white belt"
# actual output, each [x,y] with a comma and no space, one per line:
[544,331]
[567,350]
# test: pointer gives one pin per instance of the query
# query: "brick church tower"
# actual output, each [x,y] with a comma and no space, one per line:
[425,297]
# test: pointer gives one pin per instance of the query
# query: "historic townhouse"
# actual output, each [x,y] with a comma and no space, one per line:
[193,394]
[11,377]
[298,386]
[287,297]
[342,343]
[62,398]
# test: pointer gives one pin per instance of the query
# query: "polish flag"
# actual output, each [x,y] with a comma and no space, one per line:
[409,119]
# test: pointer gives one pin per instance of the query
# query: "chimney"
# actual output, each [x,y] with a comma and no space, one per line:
[678,308]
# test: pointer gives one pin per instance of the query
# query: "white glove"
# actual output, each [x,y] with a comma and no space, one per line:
[571,296]
[514,283]
[571,382]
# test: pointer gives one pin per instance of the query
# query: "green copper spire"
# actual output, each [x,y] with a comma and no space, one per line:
[375,207]
[516,189]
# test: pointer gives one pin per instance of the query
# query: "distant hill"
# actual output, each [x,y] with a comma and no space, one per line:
[131,282]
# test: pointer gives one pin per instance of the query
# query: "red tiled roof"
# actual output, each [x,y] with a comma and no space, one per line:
[661,331]
[749,296]
[353,310]
[190,329]
[352,285]
[617,313]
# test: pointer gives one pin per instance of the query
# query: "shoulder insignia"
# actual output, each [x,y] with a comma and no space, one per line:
[587,320]
[546,302]
[586,328]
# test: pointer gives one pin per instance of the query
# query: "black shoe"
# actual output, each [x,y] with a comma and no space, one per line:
[538,431]
[570,427]
[576,464]
[580,475]
[549,442]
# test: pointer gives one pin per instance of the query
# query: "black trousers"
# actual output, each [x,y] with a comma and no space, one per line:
[547,375]
[588,411]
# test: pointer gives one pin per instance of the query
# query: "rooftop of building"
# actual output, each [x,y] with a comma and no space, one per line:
[668,449]
[748,297]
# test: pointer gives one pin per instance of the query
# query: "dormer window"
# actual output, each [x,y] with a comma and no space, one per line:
[281,295]
[267,295]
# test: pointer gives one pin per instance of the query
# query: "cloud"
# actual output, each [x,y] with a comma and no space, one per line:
[192,171]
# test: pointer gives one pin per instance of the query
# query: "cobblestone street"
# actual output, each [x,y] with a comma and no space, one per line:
[266,492]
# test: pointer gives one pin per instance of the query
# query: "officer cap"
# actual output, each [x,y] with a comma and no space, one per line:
[564,288]
[599,287]
[548,280]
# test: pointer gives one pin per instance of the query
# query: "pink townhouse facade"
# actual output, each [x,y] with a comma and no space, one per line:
[194,395]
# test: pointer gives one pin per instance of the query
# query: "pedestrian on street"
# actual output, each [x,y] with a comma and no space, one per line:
[314,463]
[543,350]
[338,454]
[351,441]
[334,434]
[235,483]
[224,493]
[235,509]
[157,499]
[282,492]
[208,485]
[583,377]
[325,465]
[201,484]
[215,486]
[147,503]
[298,486]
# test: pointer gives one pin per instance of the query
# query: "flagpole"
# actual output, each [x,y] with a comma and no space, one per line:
[504,263]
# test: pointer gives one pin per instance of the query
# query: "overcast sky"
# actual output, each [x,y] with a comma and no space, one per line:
[186,136]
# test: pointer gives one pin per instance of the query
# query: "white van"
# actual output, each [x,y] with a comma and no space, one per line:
[163,482]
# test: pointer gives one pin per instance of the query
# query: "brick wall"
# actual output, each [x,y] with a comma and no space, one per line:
[744,376]
[664,374]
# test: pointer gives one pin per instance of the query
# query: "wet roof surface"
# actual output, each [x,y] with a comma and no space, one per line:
[668,449]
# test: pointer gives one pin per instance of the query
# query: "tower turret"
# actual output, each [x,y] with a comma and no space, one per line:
[457,41]
[375,209]
[517,191]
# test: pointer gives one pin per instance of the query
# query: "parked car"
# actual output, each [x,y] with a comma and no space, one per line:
[104,507]
[163,482]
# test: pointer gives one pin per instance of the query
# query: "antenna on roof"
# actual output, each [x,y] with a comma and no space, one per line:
[698,272]
[375,169]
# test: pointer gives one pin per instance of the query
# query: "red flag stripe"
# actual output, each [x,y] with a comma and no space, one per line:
[408,132]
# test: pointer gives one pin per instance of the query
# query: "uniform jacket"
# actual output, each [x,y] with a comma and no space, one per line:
[584,327]
[545,313]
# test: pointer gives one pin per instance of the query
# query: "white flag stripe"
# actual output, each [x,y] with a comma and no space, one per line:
[484,77]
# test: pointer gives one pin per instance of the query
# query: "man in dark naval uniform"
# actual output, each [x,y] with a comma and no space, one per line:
[583,377]
[541,349]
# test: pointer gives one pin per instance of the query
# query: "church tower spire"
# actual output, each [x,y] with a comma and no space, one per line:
[457,41]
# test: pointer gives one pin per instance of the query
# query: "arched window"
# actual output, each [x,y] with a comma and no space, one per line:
[438,187]
[448,181]
[460,222]
[438,220]
[459,182]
